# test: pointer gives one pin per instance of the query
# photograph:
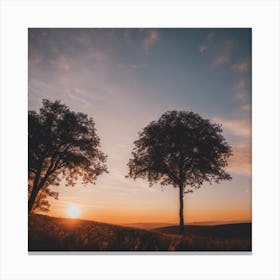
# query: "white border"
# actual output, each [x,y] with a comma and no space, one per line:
[262,16]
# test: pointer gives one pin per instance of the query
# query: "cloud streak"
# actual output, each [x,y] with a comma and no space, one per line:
[220,49]
[240,163]
[242,67]
[242,86]
[151,38]
[223,52]
[146,38]
[202,48]
[63,62]
[239,128]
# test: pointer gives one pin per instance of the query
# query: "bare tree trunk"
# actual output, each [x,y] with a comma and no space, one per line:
[37,186]
[32,198]
[181,211]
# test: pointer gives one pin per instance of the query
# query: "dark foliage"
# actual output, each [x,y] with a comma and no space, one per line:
[61,143]
[41,203]
[183,150]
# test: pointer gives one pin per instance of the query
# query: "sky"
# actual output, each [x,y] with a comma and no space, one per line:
[126,78]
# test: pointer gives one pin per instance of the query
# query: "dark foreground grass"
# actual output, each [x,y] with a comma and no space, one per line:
[60,234]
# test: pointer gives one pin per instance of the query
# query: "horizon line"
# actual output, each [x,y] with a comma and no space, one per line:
[150,223]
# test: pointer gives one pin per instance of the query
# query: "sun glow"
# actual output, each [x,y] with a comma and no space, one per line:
[73,211]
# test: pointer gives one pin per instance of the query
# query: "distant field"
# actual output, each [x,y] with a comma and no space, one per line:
[241,230]
[148,226]
[60,234]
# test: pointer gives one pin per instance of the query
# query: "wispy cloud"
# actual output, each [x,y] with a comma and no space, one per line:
[84,38]
[206,43]
[34,56]
[62,62]
[223,52]
[221,49]
[241,89]
[242,86]
[39,89]
[239,128]
[240,131]
[241,162]
[202,48]
[221,59]
[99,55]
[144,37]
[241,67]
[210,36]
[77,95]
[151,38]
[68,200]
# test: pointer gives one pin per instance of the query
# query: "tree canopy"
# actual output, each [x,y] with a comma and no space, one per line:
[180,149]
[61,144]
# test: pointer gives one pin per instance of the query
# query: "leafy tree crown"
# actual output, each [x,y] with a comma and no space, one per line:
[62,142]
[181,149]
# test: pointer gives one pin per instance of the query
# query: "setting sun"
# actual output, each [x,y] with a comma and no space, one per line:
[73,211]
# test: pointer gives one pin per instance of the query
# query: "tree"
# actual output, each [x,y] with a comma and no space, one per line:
[183,150]
[61,144]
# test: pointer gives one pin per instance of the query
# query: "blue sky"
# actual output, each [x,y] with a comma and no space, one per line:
[125,78]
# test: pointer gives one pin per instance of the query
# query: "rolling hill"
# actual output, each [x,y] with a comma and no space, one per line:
[238,230]
[47,233]
[148,226]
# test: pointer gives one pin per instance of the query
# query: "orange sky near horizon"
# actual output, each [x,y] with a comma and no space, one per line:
[122,216]
[153,205]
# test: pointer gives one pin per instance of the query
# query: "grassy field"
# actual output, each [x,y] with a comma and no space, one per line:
[61,234]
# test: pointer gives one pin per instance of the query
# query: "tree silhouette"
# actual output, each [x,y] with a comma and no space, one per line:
[41,203]
[61,144]
[183,150]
